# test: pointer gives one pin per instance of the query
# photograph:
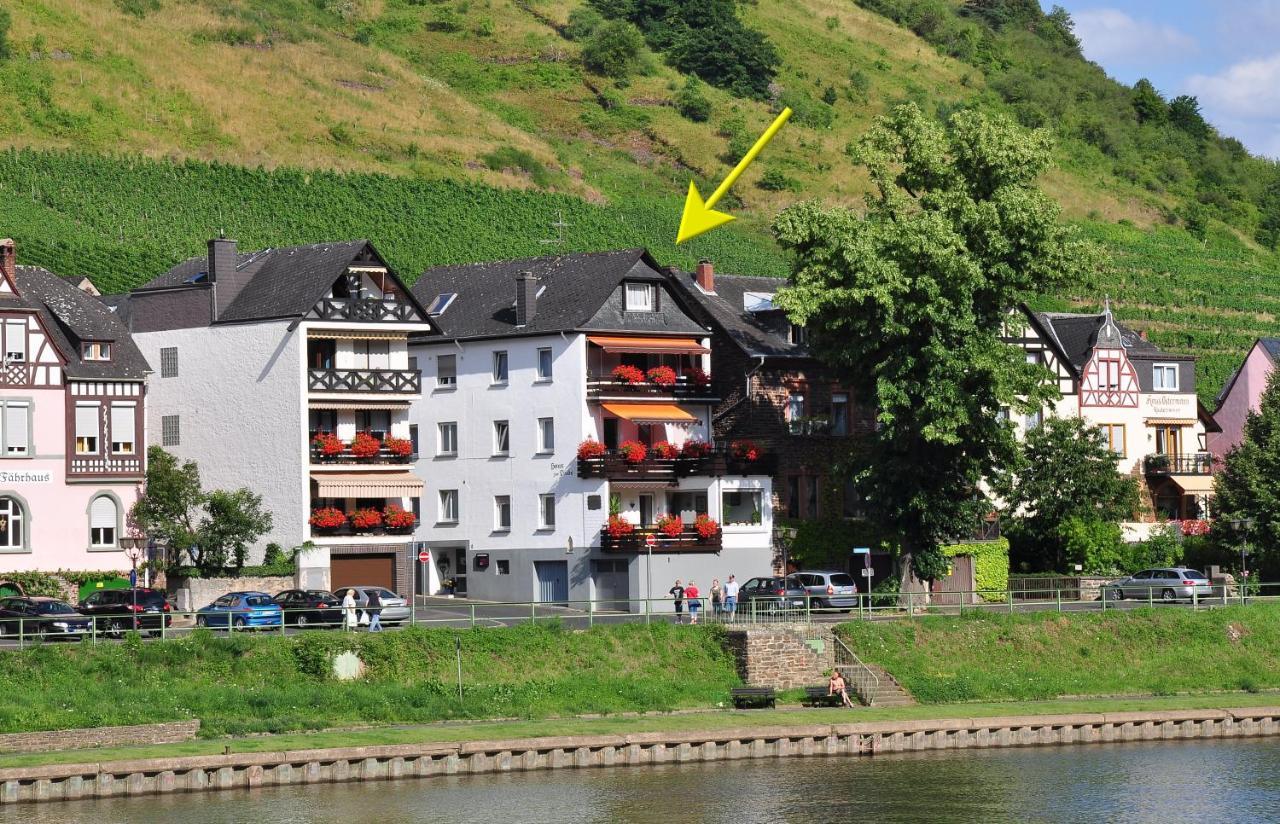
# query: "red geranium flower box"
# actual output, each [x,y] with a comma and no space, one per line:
[365,445]
[664,450]
[327,444]
[396,517]
[619,527]
[327,518]
[706,526]
[628,374]
[662,375]
[695,449]
[366,519]
[746,451]
[670,525]
[400,447]
[633,452]
[697,376]
[589,449]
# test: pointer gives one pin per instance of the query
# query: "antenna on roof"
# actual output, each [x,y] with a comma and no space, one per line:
[559,226]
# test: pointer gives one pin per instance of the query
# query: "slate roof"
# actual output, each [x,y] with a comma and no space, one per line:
[577,293]
[1272,347]
[72,317]
[758,334]
[1076,335]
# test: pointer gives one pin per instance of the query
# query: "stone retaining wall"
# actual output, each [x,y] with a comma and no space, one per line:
[782,656]
[195,773]
[52,740]
[190,594]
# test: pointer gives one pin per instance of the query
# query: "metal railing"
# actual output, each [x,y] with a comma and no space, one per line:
[1190,463]
[859,676]
[364,380]
[683,389]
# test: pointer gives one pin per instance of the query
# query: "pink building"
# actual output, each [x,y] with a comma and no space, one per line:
[1242,394]
[72,423]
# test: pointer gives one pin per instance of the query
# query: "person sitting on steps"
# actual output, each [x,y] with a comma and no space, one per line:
[837,686]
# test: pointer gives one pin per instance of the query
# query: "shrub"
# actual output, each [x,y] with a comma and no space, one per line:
[613,49]
[692,103]
[806,111]
[773,180]
[628,374]
[582,22]
[590,448]
[509,157]
[633,452]
[662,375]
[446,20]
[670,525]
[1094,544]
[365,445]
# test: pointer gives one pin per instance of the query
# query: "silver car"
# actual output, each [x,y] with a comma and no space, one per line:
[770,594]
[1165,583]
[834,590]
[395,610]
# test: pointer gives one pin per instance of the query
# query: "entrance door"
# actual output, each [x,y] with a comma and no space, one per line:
[610,580]
[553,581]
[646,509]
[363,570]
[956,588]
[460,576]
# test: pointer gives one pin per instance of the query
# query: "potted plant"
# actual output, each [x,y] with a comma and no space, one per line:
[633,452]
[697,377]
[327,518]
[398,447]
[590,448]
[627,374]
[366,520]
[670,525]
[664,450]
[365,446]
[327,445]
[398,519]
[706,526]
[662,376]
[618,527]
[446,586]
[745,451]
[695,449]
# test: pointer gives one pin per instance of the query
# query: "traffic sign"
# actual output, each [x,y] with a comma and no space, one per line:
[651,540]
[424,556]
[862,550]
[868,572]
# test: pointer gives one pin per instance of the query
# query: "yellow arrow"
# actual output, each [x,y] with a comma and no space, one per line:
[698,215]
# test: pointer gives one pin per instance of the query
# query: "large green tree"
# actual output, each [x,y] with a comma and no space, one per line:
[1248,488]
[908,299]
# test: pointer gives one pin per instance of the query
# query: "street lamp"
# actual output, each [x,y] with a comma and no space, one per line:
[133,551]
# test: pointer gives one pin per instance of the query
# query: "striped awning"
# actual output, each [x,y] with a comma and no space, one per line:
[650,413]
[366,485]
[1169,421]
[352,334]
[1194,484]
[358,404]
[650,345]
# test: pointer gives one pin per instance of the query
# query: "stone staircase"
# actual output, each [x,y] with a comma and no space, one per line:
[890,693]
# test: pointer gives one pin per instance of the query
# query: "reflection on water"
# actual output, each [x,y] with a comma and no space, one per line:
[1212,781]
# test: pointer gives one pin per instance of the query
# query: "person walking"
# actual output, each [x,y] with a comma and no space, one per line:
[374,609]
[730,597]
[837,686]
[691,593]
[717,598]
[349,610]
[677,594]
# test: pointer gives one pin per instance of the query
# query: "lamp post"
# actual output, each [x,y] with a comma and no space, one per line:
[1240,525]
[133,551]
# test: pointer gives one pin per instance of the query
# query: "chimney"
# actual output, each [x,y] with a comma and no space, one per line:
[705,277]
[222,274]
[9,263]
[526,298]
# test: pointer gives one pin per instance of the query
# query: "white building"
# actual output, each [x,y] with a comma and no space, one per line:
[521,376]
[259,354]
[1142,398]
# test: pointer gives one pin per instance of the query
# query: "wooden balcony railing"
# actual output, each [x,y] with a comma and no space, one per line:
[599,386]
[405,381]
[612,466]
[384,456]
[1192,463]
[688,541]
[366,310]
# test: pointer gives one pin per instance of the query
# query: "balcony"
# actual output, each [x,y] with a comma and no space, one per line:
[688,541]
[367,310]
[346,458]
[400,381]
[330,522]
[1191,463]
[603,386]
[613,466]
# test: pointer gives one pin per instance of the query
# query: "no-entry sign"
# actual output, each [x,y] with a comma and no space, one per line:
[424,556]
[651,540]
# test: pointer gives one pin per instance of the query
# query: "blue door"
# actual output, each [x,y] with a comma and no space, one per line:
[553,581]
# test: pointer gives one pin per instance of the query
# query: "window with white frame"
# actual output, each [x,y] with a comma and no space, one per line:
[501,438]
[839,413]
[104,519]
[448,506]
[87,429]
[15,341]
[544,363]
[446,370]
[123,429]
[546,435]
[168,361]
[1113,434]
[96,351]
[17,429]
[12,524]
[501,513]
[447,438]
[170,430]
[546,511]
[1164,377]
[1032,420]
[500,367]
[641,297]
[742,506]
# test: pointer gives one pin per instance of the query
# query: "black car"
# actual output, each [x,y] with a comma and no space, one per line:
[45,617]
[310,607]
[116,610]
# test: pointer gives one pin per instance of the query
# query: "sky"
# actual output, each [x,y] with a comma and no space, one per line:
[1225,52]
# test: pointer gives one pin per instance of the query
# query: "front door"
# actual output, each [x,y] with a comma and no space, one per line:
[646,509]
[1168,440]
[610,580]
[553,581]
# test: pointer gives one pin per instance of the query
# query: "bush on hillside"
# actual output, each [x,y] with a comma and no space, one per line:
[692,103]
[509,157]
[582,22]
[613,49]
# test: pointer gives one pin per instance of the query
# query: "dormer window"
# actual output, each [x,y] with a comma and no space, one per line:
[640,297]
[1165,377]
[799,335]
[96,351]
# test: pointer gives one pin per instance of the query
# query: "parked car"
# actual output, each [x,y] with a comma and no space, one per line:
[829,590]
[45,617]
[770,594]
[116,610]
[242,610]
[1166,583]
[395,610]
[310,607]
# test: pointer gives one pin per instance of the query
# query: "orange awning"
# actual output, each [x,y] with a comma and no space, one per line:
[650,412]
[656,346]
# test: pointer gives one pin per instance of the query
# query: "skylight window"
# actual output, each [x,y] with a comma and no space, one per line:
[441,303]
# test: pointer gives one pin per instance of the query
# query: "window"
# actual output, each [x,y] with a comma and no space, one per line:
[741,506]
[104,518]
[840,413]
[501,438]
[795,411]
[372,354]
[95,351]
[17,430]
[446,370]
[447,438]
[123,429]
[499,367]
[322,420]
[641,297]
[413,437]
[448,506]
[168,361]
[546,512]
[15,341]
[501,513]
[1113,433]
[169,430]
[1168,440]
[1035,358]
[546,435]
[683,503]
[1032,420]
[12,519]
[504,567]
[375,421]
[798,335]
[544,364]
[87,429]
[1164,377]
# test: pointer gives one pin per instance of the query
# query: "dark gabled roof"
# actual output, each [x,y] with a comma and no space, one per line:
[195,270]
[1272,347]
[72,317]
[575,293]
[1076,334]
[759,334]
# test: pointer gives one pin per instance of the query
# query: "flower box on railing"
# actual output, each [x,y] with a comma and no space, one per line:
[683,386]
[687,539]
[1191,463]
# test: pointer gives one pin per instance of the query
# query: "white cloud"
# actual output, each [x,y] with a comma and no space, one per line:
[1249,89]
[1110,36]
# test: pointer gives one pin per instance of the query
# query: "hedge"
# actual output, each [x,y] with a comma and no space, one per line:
[990,565]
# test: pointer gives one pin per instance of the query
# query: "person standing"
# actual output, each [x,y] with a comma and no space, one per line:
[349,610]
[374,608]
[717,598]
[691,593]
[730,597]
[677,594]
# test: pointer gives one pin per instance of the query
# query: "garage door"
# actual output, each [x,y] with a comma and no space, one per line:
[363,570]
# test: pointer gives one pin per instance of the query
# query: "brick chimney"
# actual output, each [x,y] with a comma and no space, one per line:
[9,263]
[526,298]
[705,276]
[227,282]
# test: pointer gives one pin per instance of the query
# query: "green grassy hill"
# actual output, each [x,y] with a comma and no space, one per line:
[449,130]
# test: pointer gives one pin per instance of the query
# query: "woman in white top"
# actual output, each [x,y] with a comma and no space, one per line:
[349,610]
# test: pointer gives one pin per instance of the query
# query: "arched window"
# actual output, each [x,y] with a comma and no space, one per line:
[12,523]
[104,516]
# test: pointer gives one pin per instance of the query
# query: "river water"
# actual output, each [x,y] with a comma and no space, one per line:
[1192,781]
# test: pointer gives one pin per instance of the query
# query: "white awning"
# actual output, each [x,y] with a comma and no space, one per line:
[1195,484]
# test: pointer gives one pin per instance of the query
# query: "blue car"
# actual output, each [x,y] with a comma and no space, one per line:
[242,610]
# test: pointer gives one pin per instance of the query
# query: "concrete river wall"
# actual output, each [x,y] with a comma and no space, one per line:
[216,772]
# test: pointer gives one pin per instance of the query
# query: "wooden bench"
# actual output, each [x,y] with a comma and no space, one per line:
[753,697]
[821,697]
